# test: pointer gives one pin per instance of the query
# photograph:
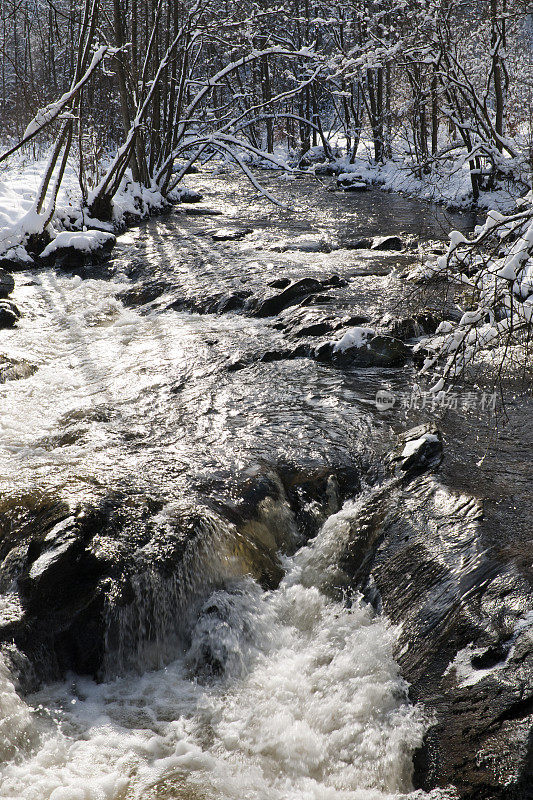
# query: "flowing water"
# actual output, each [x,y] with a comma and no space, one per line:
[282,693]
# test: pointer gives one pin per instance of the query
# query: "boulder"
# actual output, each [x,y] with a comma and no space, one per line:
[418,449]
[7,284]
[326,170]
[12,369]
[16,259]
[71,250]
[230,234]
[364,350]
[290,296]
[356,244]
[387,243]
[351,182]
[9,314]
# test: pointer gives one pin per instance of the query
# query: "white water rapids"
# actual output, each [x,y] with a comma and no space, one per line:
[310,705]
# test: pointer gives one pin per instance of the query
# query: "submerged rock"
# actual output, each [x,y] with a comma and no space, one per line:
[230,234]
[12,369]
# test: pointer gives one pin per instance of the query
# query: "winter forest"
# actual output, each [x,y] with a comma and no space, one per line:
[433,96]
[266,372]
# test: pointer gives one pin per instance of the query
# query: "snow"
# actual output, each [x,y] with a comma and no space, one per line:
[86,242]
[354,337]
[413,445]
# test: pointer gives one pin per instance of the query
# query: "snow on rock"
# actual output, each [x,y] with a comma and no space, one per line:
[418,449]
[87,242]
[354,337]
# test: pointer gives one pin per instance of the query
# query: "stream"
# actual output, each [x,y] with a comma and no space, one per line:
[237,660]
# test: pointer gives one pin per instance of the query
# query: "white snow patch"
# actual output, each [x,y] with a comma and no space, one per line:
[414,445]
[354,337]
[85,242]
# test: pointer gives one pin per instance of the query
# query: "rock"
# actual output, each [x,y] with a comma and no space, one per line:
[418,449]
[356,244]
[326,170]
[183,195]
[229,234]
[235,301]
[143,293]
[290,296]
[387,243]
[16,259]
[417,551]
[351,182]
[79,249]
[305,244]
[7,284]
[280,283]
[12,370]
[374,351]
[9,314]
[423,323]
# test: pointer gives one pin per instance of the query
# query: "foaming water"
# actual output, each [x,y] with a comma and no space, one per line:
[281,695]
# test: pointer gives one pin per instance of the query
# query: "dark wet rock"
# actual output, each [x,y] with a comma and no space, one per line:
[184,195]
[420,324]
[418,449]
[279,283]
[376,351]
[290,296]
[74,258]
[143,293]
[7,283]
[12,369]
[352,183]
[356,244]
[230,235]
[235,301]
[9,314]
[296,293]
[316,300]
[326,170]
[465,645]
[387,243]
[16,260]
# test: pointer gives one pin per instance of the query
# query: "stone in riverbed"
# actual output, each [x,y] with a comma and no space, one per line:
[9,314]
[368,350]
[12,370]
[7,283]
[418,449]
[71,250]
[290,296]
[230,235]
[387,243]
